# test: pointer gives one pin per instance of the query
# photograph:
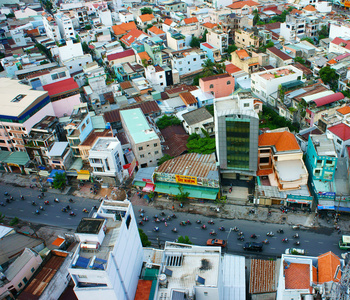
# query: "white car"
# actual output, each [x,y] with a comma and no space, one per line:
[295,251]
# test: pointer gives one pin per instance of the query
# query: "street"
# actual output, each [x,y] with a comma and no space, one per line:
[315,242]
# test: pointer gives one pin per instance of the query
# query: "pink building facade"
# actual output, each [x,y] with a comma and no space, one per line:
[221,85]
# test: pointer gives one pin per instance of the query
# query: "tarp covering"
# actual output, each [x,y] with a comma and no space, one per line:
[149,187]
[53,174]
[83,177]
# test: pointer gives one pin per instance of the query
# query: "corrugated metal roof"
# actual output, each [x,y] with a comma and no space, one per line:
[190,164]
[4,230]
[58,148]
[262,276]
[19,263]
[19,158]
[312,97]
[329,99]
[233,277]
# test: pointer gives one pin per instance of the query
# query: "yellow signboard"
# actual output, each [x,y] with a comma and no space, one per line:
[186,179]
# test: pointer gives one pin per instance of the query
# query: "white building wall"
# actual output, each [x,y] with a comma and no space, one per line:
[76,64]
[70,50]
[189,63]
[337,49]
[339,31]
[106,17]
[156,78]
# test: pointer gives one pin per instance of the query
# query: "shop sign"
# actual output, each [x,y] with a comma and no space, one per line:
[186,179]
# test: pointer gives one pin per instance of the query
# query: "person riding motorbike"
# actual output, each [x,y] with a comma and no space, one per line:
[56,200]
[174,229]
[71,200]
[22,197]
[33,203]
[211,222]
[212,232]
[72,213]
[188,222]
[297,243]
[140,223]
[222,228]
[204,226]
[41,207]
[296,235]
[253,236]
[198,221]
[156,228]
[68,207]
[285,240]
[266,241]
[280,231]
[37,212]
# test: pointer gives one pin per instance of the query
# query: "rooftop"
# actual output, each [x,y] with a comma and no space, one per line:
[215,77]
[297,276]
[188,98]
[191,164]
[276,73]
[58,149]
[119,55]
[89,226]
[138,126]
[283,141]
[344,110]
[241,4]
[328,264]
[290,170]
[64,86]
[341,130]
[175,140]
[323,145]
[262,276]
[197,115]
[105,143]
[17,97]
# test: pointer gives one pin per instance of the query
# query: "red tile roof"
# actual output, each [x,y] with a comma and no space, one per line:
[329,99]
[240,4]
[207,45]
[175,140]
[146,17]
[297,276]
[148,107]
[119,55]
[327,266]
[242,54]
[191,20]
[123,28]
[129,38]
[309,8]
[209,25]
[344,110]
[283,141]
[264,172]
[279,53]
[343,43]
[231,68]
[144,55]
[215,77]
[156,30]
[60,87]
[341,130]
[188,98]
[168,21]
[143,289]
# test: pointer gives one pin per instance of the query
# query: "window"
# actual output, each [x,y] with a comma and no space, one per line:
[160,76]
[317,172]
[211,86]
[128,220]
[87,121]
[70,67]
[156,152]
[339,141]
[155,145]
[25,280]
[140,148]
[20,285]
[32,270]
[228,82]
[195,59]
[142,156]
[18,98]
[79,65]
[246,105]
[147,145]
[54,76]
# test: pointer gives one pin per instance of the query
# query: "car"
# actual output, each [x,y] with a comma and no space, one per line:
[253,246]
[295,251]
[216,242]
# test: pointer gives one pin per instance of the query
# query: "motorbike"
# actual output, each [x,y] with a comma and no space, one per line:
[46,202]
[212,233]
[155,217]
[211,222]
[241,238]
[64,209]
[280,231]
[253,236]
[33,203]
[72,214]
[162,220]
[37,212]
[204,227]
[285,240]
[22,197]
[11,198]
[56,200]
[85,210]
[141,210]
[7,200]
[173,216]
[270,233]
[266,242]
[145,219]
[188,222]
[155,229]
[174,230]
[222,228]
[183,223]
[71,200]
[141,215]
[41,208]
[162,213]
[157,220]
[198,221]
[39,196]
[296,236]
[6,194]
[297,243]
[168,218]
[141,223]
[235,229]
[68,207]
[240,233]
[2,204]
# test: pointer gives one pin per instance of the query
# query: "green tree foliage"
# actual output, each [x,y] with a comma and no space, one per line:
[44,50]
[329,76]
[280,18]
[231,48]
[323,33]
[164,159]
[184,240]
[2,218]
[310,40]
[256,17]
[193,136]
[44,62]
[14,221]
[209,69]
[10,15]
[203,145]
[210,108]
[181,196]
[166,121]
[85,47]
[195,43]
[300,60]
[264,47]
[204,36]
[144,239]
[273,120]
[47,4]
[59,181]
[146,11]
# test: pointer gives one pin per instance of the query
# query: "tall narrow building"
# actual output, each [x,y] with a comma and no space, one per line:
[236,133]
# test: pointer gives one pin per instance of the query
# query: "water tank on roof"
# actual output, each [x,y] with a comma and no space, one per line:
[108,125]
[162,279]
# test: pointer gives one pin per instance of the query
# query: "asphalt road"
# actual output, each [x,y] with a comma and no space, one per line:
[315,242]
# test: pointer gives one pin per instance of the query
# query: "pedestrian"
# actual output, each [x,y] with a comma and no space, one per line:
[173,207]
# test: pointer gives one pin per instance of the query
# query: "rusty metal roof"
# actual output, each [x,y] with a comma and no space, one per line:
[190,164]
[262,276]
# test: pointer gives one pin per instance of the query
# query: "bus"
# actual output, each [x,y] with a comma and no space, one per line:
[344,243]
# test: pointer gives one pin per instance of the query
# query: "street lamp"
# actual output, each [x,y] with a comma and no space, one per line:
[228,237]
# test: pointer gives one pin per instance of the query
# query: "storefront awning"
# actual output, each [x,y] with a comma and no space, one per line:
[149,187]
[83,176]
[299,201]
[321,207]
[139,183]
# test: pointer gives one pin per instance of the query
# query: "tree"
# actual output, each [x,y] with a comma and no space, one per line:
[149,26]
[85,47]
[193,136]
[329,76]
[88,27]
[184,240]
[59,181]
[201,145]
[182,196]
[166,121]
[44,50]
[144,239]
[146,11]
[324,32]
[204,36]
[256,18]
[10,15]
[195,43]
[208,67]
[220,68]
[164,159]
[2,217]
[231,48]
[300,60]
[14,221]
[310,40]
[264,47]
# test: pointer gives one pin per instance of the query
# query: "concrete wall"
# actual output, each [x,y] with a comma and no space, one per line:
[65,106]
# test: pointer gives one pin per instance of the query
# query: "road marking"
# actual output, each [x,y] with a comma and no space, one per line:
[308,242]
[45,214]
[58,217]
[239,244]
[273,248]
[320,242]
[194,238]
[149,230]
[9,208]
[21,210]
